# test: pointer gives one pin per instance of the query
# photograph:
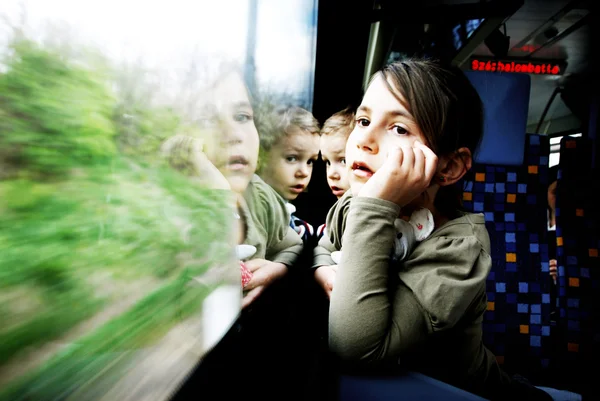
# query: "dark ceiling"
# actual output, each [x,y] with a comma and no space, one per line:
[538,30]
[533,30]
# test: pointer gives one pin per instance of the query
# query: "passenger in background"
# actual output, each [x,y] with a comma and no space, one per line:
[224,151]
[334,135]
[551,240]
[289,145]
[553,181]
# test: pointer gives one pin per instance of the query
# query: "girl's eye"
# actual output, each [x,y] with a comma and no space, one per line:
[291,159]
[242,117]
[363,122]
[207,122]
[343,161]
[400,130]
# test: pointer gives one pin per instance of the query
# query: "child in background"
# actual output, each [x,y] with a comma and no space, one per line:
[551,240]
[334,135]
[289,145]
[553,180]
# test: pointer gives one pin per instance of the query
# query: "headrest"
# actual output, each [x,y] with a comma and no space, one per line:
[505,98]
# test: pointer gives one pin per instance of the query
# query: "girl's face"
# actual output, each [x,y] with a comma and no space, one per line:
[230,136]
[382,122]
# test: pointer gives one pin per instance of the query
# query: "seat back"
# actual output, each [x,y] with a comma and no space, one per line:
[517,323]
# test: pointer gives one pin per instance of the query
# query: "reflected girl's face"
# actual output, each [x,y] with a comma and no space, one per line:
[231,139]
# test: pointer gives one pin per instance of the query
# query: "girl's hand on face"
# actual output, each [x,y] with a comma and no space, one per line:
[185,153]
[405,174]
[206,169]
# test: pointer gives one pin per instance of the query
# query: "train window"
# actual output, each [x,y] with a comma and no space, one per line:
[117,268]
[464,30]
[555,149]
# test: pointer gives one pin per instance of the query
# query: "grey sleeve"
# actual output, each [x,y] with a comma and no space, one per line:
[322,253]
[372,315]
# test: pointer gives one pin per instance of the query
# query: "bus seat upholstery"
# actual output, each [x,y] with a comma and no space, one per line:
[517,323]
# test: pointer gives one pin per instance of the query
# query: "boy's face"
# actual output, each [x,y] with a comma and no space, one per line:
[382,122]
[333,152]
[230,134]
[289,164]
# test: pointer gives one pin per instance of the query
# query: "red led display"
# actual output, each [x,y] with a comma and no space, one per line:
[524,67]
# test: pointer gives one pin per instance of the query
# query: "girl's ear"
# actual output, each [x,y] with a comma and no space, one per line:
[454,166]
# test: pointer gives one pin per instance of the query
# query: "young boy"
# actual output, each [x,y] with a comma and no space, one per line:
[289,146]
[334,135]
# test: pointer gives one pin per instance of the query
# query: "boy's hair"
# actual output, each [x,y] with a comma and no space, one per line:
[445,106]
[274,123]
[277,122]
[340,123]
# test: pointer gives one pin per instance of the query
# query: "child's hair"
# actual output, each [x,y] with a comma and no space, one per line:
[447,109]
[276,122]
[340,123]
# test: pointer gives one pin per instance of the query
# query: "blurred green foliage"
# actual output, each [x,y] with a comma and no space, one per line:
[86,205]
[53,115]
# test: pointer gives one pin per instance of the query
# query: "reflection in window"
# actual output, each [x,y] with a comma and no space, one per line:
[472,25]
[456,34]
[286,49]
[106,255]
[464,30]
